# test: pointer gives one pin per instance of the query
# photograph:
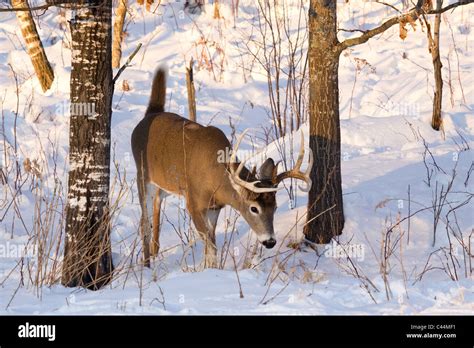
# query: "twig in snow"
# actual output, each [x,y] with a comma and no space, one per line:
[237,274]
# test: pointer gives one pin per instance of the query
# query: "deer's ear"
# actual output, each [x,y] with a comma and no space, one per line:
[254,171]
[266,170]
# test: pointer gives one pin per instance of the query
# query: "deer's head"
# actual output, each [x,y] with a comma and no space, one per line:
[257,191]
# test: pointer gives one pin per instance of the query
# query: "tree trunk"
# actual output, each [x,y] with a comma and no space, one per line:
[34,47]
[217,13]
[436,121]
[87,255]
[118,33]
[325,218]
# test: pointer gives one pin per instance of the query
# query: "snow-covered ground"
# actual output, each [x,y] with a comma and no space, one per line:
[384,132]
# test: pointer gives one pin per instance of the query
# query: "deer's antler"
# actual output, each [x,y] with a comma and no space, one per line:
[235,174]
[296,172]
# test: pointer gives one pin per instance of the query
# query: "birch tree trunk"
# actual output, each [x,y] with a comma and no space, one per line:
[118,33]
[217,13]
[87,255]
[34,47]
[325,218]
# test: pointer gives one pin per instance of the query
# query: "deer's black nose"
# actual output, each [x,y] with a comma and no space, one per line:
[269,243]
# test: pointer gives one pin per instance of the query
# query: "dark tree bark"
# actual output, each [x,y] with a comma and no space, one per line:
[87,255]
[325,217]
[437,120]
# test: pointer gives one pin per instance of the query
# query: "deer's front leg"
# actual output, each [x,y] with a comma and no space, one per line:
[205,222]
[211,249]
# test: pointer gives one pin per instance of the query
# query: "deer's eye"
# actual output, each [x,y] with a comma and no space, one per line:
[254,209]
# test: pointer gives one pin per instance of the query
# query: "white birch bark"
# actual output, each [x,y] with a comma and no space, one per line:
[118,33]
[34,47]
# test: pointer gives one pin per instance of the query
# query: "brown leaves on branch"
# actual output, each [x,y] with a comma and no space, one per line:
[403,22]
[426,8]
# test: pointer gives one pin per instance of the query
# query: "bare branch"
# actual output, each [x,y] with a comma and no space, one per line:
[410,16]
[127,63]
[391,6]
[352,30]
[48,4]
[36,8]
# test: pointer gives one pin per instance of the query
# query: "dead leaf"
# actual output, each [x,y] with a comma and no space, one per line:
[382,204]
[403,30]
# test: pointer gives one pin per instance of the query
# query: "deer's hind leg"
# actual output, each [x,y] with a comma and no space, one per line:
[147,193]
[144,221]
[155,242]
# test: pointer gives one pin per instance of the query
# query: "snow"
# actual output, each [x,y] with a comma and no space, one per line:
[382,158]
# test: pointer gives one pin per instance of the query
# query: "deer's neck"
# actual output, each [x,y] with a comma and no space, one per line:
[228,195]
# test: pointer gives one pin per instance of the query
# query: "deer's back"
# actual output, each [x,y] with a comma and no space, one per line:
[178,154]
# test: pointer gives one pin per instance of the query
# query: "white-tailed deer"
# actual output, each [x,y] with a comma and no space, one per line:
[174,155]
